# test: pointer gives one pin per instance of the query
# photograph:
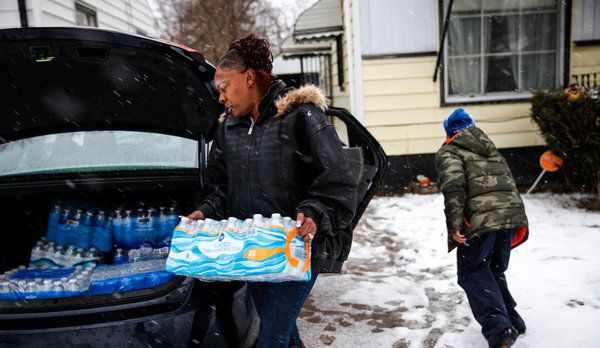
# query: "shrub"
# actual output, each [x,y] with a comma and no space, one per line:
[572,131]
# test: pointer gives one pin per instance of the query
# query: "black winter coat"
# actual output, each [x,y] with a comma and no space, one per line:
[289,161]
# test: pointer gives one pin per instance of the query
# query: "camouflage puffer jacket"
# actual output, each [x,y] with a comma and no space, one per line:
[479,190]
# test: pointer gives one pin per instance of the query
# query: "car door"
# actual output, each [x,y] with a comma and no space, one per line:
[366,158]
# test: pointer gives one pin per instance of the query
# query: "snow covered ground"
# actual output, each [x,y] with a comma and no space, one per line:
[398,288]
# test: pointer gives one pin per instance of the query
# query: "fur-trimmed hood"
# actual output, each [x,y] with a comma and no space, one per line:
[302,95]
[286,102]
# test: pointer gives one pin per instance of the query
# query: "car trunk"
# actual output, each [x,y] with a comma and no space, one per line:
[26,209]
[62,83]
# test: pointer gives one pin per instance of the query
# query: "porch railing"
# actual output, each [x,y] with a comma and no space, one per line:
[587,80]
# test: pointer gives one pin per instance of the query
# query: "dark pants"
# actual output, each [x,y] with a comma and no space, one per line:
[481,263]
[278,305]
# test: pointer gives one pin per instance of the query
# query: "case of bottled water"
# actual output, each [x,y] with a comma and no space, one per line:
[144,253]
[134,228]
[257,249]
[129,276]
[72,225]
[83,226]
[50,254]
[80,235]
[23,284]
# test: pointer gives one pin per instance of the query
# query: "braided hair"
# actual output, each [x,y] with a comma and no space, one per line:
[253,53]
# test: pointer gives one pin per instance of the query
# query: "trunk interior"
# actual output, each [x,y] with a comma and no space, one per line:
[25,210]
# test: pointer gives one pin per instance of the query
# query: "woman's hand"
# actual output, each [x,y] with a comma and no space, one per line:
[307,227]
[196,215]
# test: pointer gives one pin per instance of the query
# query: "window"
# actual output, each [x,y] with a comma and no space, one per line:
[85,15]
[97,151]
[499,50]
[586,22]
[397,27]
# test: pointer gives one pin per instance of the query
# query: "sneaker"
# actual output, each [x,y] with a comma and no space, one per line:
[509,336]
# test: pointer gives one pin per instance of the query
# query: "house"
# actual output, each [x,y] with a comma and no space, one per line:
[131,16]
[402,66]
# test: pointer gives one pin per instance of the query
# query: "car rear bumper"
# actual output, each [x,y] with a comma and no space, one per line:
[179,317]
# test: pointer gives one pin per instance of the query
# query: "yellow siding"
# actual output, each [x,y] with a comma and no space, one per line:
[403,112]
[340,98]
[585,60]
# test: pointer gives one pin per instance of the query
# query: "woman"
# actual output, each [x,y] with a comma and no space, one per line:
[275,152]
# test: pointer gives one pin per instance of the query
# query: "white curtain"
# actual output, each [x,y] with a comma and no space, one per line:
[508,46]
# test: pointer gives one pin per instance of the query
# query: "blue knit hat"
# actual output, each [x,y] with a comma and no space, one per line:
[458,121]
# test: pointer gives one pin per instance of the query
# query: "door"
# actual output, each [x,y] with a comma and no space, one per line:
[366,158]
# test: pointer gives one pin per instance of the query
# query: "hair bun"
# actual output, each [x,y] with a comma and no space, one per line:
[255,52]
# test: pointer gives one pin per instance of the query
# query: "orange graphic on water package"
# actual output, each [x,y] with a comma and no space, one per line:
[259,254]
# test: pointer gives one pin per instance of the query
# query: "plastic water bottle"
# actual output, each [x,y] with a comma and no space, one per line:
[258,219]
[46,285]
[73,228]
[127,230]
[5,290]
[276,221]
[61,231]
[165,229]
[57,288]
[53,218]
[117,221]
[102,233]
[145,251]
[86,231]
[231,224]
[37,252]
[120,256]
[257,224]
[134,255]
[173,220]
[72,286]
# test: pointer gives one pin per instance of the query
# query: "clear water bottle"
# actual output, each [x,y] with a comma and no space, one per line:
[61,231]
[172,221]
[53,217]
[37,253]
[5,290]
[58,288]
[127,230]
[163,225]
[276,221]
[72,286]
[145,251]
[288,223]
[73,228]
[86,231]
[46,285]
[231,224]
[120,256]
[258,219]
[134,255]
[50,249]
[102,233]
[117,226]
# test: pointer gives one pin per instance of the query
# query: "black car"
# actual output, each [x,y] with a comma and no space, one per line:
[113,120]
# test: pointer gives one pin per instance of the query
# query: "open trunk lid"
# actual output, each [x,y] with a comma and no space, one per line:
[73,79]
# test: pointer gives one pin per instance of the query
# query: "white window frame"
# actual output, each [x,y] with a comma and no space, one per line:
[521,95]
[394,28]
[89,12]
[586,21]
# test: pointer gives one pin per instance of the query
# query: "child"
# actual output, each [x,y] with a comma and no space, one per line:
[485,218]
